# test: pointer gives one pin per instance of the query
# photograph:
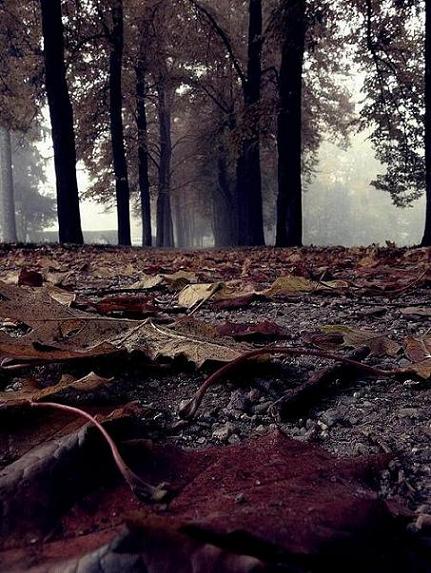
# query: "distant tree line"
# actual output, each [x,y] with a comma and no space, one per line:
[196,113]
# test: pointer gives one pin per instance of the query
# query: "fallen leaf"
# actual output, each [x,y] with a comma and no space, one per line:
[292,284]
[236,302]
[177,280]
[31,392]
[260,330]
[418,350]
[135,306]
[422,369]
[255,506]
[287,285]
[60,295]
[424,311]
[379,344]
[158,342]
[30,278]
[192,295]
[61,334]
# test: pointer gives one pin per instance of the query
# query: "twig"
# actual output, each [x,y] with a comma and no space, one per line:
[105,291]
[188,409]
[139,487]
[303,396]
[215,288]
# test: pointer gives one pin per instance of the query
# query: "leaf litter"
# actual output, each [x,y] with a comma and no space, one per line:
[234,507]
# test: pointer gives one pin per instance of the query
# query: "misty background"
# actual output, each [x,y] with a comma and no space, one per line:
[341,207]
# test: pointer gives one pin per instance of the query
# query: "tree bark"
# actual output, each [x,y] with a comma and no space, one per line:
[249,180]
[116,120]
[426,240]
[143,163]
[289,130]
[165,232]
[61,113]
[7,191]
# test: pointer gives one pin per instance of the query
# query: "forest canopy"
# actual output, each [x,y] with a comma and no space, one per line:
[210,119]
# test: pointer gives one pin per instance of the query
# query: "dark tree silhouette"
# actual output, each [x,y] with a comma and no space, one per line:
[116,120]
[141,124]
[289,129]
[8,221]
[165,232]
[249,180]
[61,113]
[426,240]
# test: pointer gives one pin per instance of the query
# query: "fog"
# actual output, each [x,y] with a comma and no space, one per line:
[341,207]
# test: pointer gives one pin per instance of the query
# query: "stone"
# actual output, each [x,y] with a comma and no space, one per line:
[224,432]
[262,408]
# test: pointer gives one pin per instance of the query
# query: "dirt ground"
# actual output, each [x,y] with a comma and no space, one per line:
[355,415]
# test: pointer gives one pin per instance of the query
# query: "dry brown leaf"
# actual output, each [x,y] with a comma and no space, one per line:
[10,277]
[418,350]
[31,392]
[379,344]
[422,369]
[60,295]
[422,311]
[176,280]
[62,334]
[249,331]
[289,284]
[157,342]
[192,295]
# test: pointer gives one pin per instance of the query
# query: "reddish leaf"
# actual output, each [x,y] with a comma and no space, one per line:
[260,330]
[129,305]
[239,508]
[30,278]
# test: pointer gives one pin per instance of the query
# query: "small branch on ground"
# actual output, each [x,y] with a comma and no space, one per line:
[301,398]
[215,288]
[188,408]
[140,488]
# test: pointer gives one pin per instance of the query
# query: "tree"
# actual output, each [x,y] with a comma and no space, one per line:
[7,188]
[249,179]
[218,62]
[389,39]
[142,128]
[61,114]
[426,239]
[165,233]
[116,119]
[248,173]
[35,210]
[289,126]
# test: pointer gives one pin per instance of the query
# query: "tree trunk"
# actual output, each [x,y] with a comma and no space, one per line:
[289,130]
[61,113]
[116,118]
[426,241]
[141,123]
[223,208]
[165,232]
[7,195]
[249,180]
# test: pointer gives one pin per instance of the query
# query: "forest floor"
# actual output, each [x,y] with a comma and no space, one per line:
[150,326]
